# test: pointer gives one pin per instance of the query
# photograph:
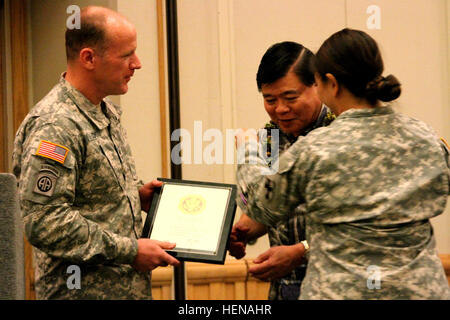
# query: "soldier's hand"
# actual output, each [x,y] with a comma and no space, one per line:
[238,241]
[146,193]
[151,254]
[277,262]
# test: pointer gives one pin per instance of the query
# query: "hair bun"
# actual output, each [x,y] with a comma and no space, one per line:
[384,89]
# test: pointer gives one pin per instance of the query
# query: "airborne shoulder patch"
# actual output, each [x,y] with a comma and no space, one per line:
[46,180]
[45,184]
[52,151]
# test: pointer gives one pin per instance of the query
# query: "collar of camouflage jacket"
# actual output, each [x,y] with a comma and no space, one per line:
[321,117]
[320,122]
[88,109]
[366,112]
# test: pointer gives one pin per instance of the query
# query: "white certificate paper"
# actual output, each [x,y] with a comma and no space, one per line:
[191,216]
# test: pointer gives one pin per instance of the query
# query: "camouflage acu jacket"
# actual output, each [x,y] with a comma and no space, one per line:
[290,230]
[370,183]
[79,196]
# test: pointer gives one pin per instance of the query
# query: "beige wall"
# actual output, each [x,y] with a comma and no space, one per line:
[221,43]
[141,103]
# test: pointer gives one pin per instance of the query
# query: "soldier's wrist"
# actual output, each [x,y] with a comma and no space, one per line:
[297,253]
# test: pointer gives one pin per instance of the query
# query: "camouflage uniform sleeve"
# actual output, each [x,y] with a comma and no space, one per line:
[273,197]
[139,184]
[47,190]
[250,171]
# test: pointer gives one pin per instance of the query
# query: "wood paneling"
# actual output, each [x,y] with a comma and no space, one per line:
[224,282]
[212,282]
[3,134]
[19,70]
[162,89]
[19,59]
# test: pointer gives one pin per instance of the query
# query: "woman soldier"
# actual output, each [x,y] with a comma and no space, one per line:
[370,182]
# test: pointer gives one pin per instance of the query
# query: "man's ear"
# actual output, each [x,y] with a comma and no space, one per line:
[333,83]
[87,58]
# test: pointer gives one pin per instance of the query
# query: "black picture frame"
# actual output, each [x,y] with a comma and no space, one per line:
[187,254]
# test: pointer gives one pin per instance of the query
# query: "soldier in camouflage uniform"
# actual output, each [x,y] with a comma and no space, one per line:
[370,183]
[285,68]
[79,193]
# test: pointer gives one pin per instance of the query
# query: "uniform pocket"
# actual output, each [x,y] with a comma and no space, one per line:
[100,174]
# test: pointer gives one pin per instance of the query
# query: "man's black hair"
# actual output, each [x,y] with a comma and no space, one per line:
[283,56]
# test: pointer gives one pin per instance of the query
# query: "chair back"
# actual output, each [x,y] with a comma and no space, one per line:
[12,270]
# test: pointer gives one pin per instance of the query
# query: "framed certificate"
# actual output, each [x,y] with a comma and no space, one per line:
[195,215]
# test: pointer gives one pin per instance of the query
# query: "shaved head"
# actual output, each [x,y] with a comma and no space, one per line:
[96,22]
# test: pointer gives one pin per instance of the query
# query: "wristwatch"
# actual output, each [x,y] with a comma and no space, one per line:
[306,245]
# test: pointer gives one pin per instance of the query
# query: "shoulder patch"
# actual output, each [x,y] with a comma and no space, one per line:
[52,151]
[45,184]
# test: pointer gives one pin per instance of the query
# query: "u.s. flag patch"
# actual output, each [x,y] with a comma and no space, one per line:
[52,151]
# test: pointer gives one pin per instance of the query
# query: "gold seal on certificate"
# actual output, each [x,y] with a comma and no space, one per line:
[192,204]
[195,215]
